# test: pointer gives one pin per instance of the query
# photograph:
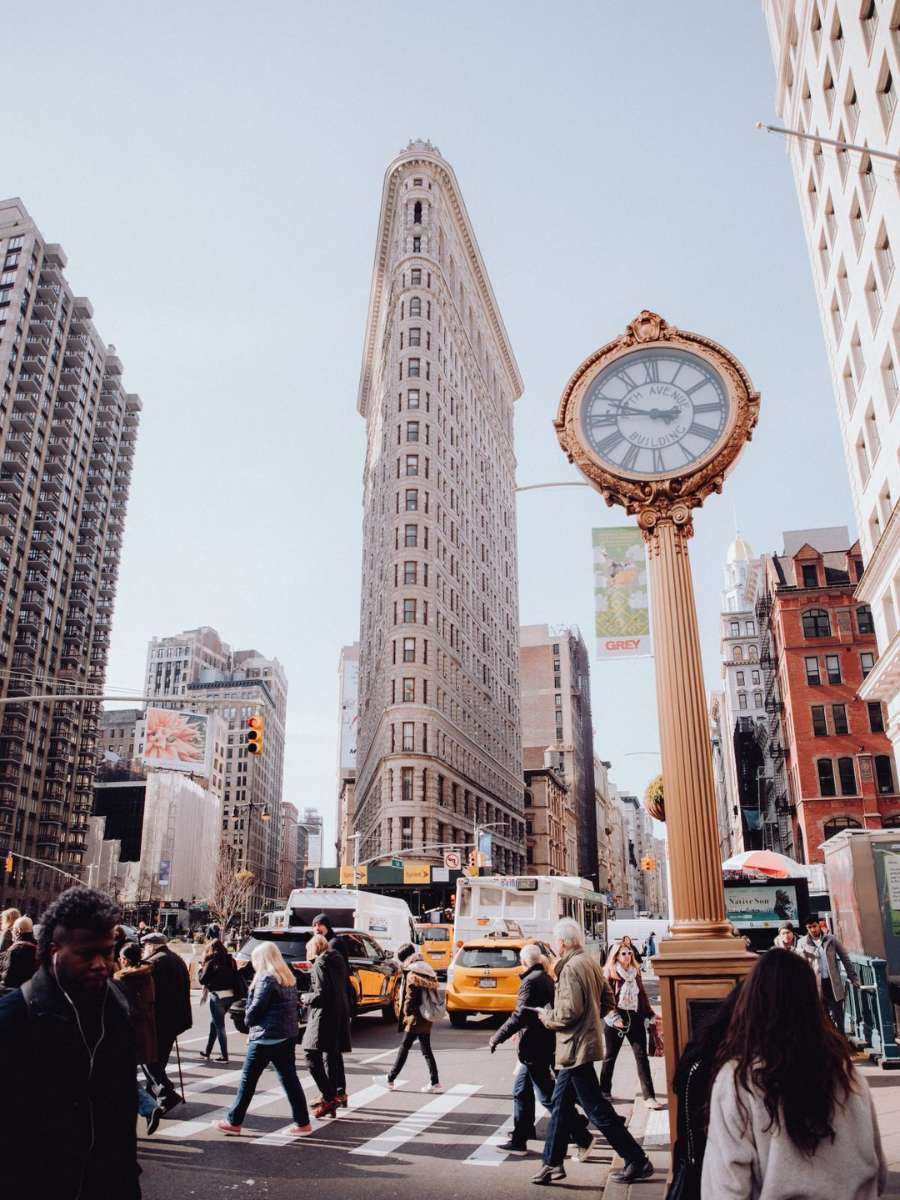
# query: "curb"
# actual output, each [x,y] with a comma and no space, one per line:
[643,1125]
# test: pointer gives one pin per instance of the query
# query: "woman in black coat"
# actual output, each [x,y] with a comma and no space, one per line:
[218,976]
[327,1036]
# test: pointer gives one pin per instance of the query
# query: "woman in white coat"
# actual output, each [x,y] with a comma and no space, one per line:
[789,1117]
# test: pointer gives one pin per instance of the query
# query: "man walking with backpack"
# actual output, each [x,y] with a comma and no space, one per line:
[420,1007]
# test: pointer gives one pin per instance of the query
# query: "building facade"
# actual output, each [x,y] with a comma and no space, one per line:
[439,748]
[838,766]
[603,788]
[287,866]
[556,715]
[310,845]
[348,686]
[837,71]
[550,825]
[68,432]
[197,671]
[116,730]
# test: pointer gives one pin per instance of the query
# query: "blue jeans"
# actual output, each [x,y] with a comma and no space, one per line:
[146,1102]
[281,1057]
[581,1082]
[217,1012]
[534,1078]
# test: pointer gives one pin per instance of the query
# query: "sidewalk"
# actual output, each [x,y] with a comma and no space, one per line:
[651,1128]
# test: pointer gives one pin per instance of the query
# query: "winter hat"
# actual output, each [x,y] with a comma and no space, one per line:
[323,919]
[406,952]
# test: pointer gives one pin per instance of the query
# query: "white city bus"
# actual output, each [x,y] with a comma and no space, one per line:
[531,904]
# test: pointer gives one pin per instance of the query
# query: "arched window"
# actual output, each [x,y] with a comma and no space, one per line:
[738,654]
[825,767]
[884,773]
[847,776]
[816,623]
[892,821]
[836,824]
[415,307]
[417,213]
[751,654]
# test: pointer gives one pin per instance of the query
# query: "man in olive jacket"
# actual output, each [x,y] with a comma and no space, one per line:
[582,1000]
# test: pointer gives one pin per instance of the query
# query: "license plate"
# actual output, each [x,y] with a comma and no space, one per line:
[487,983]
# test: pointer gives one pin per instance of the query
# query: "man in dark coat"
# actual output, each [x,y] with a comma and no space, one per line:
[327,1034]
[19,962]
[68,1103]
[537,1046]
[172,990]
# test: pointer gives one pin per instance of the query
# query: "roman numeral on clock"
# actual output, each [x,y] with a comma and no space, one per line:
[696,387]
[631,458]
[715,406]
[651,370]
[658,464]
[703,431]
[603,419]
[609,444]
[626,379]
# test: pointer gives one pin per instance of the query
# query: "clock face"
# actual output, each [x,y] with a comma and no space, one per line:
[655,411]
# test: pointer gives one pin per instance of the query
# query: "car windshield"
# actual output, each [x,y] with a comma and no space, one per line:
[293,948]
[488,956]
[435,935]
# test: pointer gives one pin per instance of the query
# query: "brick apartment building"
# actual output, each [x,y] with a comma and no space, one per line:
[836,770]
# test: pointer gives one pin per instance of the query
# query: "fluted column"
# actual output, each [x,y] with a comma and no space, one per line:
[698,899]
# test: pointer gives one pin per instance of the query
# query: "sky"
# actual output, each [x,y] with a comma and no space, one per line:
[214,169]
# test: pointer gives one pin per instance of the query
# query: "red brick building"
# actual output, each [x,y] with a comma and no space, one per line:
[837,768]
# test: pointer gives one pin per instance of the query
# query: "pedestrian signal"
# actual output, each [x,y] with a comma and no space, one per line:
[8,864]
[255,729]
[648,863]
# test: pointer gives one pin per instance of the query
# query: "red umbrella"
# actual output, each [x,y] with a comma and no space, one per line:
[763,862]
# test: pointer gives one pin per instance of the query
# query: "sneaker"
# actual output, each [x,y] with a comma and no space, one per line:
[655,1103]
[299,1130]
[385,1081]
[154,1119]
[431,1087]
[548,1174]
[227,1127]
[582,1153]
[171,1101]
[511,1146]
[634,1172]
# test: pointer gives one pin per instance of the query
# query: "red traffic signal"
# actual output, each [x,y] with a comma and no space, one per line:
[256,727]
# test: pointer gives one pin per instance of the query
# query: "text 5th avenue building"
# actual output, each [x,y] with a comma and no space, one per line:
[439,747]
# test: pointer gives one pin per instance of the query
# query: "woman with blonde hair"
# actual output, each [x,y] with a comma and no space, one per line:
[633,1010]
[8,918]
[272,1019]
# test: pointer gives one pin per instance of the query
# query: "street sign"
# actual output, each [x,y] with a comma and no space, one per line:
[347,878]
[416,873]
[397,862]
[453,860]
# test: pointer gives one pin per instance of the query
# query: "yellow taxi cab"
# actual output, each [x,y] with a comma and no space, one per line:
[436,942]
[485,974]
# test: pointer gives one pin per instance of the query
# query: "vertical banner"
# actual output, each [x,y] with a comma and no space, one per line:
[621,593]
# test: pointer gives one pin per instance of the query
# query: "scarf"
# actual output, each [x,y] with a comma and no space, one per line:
[629,995]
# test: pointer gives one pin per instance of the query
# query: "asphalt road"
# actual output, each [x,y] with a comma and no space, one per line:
[385,1144]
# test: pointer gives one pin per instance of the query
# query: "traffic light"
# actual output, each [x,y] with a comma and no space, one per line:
[8,863]
[648,863]
[256,727]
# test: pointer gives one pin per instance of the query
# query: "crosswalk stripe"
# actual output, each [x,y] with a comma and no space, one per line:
[281,1137]
[417,1122]
[185,1129]
[488,1153]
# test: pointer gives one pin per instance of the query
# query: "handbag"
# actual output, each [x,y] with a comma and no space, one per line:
[657,1046]
[239,987]
[430,1006]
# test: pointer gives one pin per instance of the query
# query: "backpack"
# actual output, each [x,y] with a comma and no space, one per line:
[430,1006]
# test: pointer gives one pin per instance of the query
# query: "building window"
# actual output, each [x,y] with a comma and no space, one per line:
[417,245]
[884,773]
[413,367]
[810,575]
[757,699]
[740,678]
[415,308]
[738,654]
[409,649]
[410,571]
[409,741]
[816,623]
[812,672]
[409,690]
[415,276]
[836,825]
[415,336]
[417,213]
[749,629]
[412,398]
[839,719]
[406,822]
[742,700]
[887,96]
[735,629]
[412,464]
[754,676]
[876,716]
[409,612]
[412,500]
[866,662]
[412,431]
[864,621]
[410,535]
[819,725]
[825,767]
[833,668]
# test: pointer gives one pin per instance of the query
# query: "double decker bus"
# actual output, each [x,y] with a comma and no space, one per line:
[530,904]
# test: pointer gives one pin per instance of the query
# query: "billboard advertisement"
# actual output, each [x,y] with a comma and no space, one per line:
[177,741]
[621,593]
[762,905]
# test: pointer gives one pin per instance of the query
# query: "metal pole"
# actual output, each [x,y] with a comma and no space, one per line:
[814,137]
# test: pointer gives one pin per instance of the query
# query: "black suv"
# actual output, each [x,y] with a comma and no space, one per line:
[374,973]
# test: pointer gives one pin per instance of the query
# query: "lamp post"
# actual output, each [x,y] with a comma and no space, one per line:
[655,419]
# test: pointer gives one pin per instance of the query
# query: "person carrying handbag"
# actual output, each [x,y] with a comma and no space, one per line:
[633,1010]
[420,1006]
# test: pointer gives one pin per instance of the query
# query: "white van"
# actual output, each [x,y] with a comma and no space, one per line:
[387,919]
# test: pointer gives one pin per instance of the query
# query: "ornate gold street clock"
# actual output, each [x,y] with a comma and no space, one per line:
[656,418]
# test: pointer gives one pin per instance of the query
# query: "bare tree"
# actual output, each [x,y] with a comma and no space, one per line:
[231,887]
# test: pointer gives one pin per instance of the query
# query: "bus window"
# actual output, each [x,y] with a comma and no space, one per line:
[490,902]
[520,905]
[465,902]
